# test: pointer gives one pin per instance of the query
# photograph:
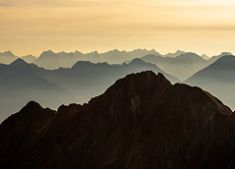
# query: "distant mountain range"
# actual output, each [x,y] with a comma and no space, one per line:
[171,62]
[218,78]
[51,60]
[21,82]
[140,122]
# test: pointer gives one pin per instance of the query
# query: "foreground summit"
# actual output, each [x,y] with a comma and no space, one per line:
[141,122]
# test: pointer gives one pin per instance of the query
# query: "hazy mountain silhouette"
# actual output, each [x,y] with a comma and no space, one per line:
[29,58]
[21,82]
[175,63]
[219,79]
[140,122]
[214,58]
[52,60]
[7,57]
[173,55]
[84,80]
[116,56]
[88,79]
[204,56]
[182,66]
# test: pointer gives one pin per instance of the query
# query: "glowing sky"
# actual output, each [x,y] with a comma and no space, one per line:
[31,26]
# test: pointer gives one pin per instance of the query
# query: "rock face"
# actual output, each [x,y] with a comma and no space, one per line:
[141,122]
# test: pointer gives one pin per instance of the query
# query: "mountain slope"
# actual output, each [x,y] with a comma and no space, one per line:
[218,78]
[142,121]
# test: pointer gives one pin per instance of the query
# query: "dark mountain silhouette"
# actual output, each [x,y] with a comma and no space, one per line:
[7,57]
[182,66]
[219,79]
[52,60]
[140,122]
[24,82]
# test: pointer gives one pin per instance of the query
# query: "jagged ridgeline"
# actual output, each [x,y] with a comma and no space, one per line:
[140,122]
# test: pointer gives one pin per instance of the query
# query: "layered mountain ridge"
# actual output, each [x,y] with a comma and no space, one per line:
[24,82]
[180,64]
[141,121]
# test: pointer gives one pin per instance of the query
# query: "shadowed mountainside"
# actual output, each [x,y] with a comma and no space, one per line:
[140,122]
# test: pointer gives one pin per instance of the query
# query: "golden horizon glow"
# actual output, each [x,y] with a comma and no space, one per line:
[32,26]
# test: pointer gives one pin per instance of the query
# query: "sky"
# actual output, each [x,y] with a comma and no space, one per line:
[32,26]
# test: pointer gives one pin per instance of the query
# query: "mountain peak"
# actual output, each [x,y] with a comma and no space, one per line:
[225,53]
[227,62]
[8,53]
[33,110]
[148,77]
[19,62]
[82,64]
[204,56]
[175,54]
[32,106]
[215,58]
[190,56]
[142,83]
[137,61]
[179,52]
[47,53]
[226,59]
